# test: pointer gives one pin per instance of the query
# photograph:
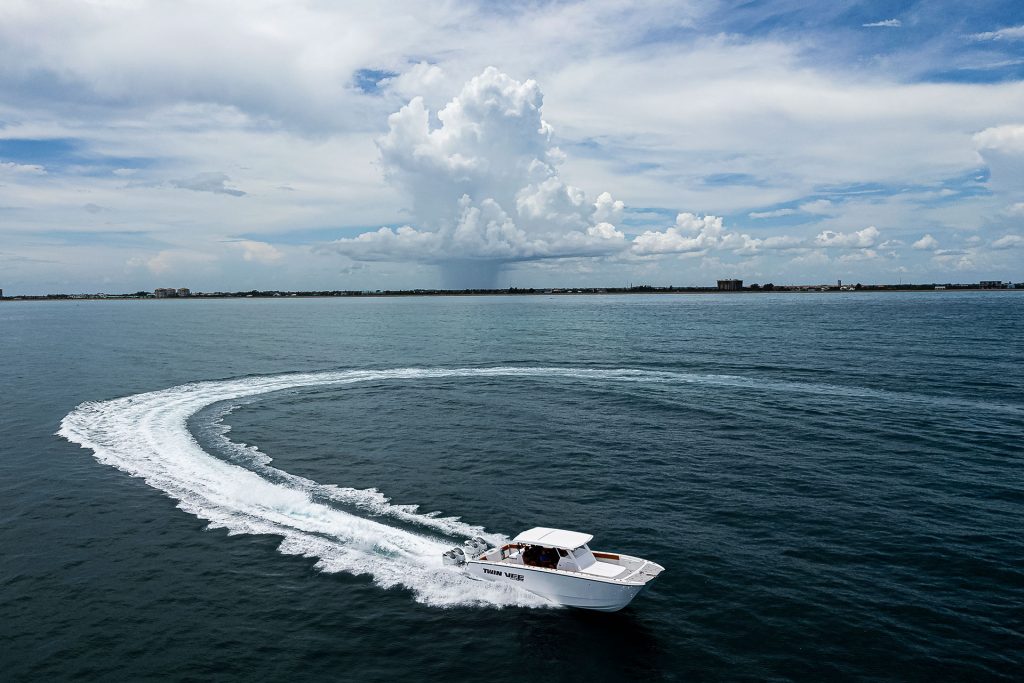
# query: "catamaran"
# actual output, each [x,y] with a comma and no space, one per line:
[560,566]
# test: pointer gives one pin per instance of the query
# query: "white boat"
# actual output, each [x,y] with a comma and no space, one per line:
[560,566]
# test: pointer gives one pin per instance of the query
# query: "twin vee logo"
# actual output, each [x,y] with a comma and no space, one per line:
[510,575]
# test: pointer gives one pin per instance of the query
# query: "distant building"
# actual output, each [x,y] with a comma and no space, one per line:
[991,284]
[171,292]
[730,285]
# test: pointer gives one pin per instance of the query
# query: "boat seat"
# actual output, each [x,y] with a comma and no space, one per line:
[604,570]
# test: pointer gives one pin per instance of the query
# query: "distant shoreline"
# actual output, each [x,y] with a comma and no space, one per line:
[581,291]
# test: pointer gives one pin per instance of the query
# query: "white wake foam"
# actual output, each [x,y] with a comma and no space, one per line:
[146,435]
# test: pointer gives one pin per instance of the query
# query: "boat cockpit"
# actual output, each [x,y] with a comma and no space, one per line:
[581,559]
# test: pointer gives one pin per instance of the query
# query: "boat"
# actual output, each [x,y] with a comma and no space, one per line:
[558,565]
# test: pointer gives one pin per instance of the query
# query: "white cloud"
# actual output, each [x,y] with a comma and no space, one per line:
[700,234]
[1015,209]
[172,260]
[815,257]
[1009,33]
[484,186]
[815,207]
[818,206]
[259,252]
[608,210]
[1007,138]
[885,23]
[926,243]
[207,182]
[777,213]
[1008,242]
[28,169]
[483,233]
[860,239]
[690,233]
[859,255]
[420,80]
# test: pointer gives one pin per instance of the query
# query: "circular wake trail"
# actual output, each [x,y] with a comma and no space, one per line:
[147,436]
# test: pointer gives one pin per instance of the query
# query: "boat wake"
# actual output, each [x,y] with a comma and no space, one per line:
[147,436]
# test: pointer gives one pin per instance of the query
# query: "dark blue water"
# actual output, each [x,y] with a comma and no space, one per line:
[834,484]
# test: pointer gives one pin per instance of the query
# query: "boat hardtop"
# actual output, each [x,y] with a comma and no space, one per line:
[554,538]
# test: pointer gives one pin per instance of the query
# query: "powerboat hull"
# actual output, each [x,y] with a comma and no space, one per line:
[560,587]
[558,565]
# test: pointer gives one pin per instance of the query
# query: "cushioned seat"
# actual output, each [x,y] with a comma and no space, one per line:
[604,570]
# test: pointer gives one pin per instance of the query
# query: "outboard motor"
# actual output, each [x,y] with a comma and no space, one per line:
[475,547]
[454,558]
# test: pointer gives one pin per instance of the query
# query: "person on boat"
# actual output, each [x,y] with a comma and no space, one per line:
[547,558]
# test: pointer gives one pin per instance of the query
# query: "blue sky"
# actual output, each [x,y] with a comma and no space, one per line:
[231,145]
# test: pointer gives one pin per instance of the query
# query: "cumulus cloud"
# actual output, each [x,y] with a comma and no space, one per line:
[861,239]
[885,23]
[208,182]
[690,233]
[485,188]
[700,234]
[927,242]
[1008,138]
[484,233]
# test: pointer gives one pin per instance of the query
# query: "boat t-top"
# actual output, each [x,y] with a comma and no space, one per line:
[558,565]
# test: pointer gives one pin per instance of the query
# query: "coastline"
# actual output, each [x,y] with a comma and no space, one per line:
[581,291]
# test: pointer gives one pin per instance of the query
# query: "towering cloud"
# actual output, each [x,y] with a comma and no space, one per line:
[485,188]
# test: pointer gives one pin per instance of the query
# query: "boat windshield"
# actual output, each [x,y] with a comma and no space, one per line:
[584,558]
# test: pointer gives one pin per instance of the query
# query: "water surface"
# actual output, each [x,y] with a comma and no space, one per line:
[833,482]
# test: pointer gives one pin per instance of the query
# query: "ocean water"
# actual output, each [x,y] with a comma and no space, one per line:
[260,489]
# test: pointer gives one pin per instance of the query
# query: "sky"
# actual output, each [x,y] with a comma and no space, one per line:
[229,145]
